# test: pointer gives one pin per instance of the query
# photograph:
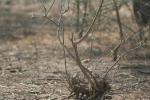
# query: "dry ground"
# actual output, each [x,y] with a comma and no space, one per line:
[32,63]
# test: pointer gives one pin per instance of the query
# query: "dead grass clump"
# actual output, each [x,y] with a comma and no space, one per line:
[80,89]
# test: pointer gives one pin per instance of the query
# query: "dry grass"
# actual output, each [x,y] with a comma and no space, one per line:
[32,66]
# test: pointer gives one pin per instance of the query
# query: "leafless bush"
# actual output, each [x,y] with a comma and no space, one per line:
[90,87]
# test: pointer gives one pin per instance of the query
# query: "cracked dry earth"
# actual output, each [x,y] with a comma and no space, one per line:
[32,68]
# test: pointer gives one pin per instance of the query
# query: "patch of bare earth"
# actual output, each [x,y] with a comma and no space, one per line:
[33,68]
[32,64]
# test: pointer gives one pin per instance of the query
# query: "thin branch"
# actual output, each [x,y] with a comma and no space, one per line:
[63,45]
[115,53]
[120,57]
[49,19]
[113,19]
[46,12]
[90,27]
[118,19]
[50,8]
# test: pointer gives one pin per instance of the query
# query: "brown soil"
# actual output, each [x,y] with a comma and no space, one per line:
[32,64]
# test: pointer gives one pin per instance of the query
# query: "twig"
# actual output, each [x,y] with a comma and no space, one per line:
[90,27]
[119,58]
[118,19]
[49,19]
[50,7]
[121,32]
[61,28]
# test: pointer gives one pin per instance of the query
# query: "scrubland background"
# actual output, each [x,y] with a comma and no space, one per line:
[32,62]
